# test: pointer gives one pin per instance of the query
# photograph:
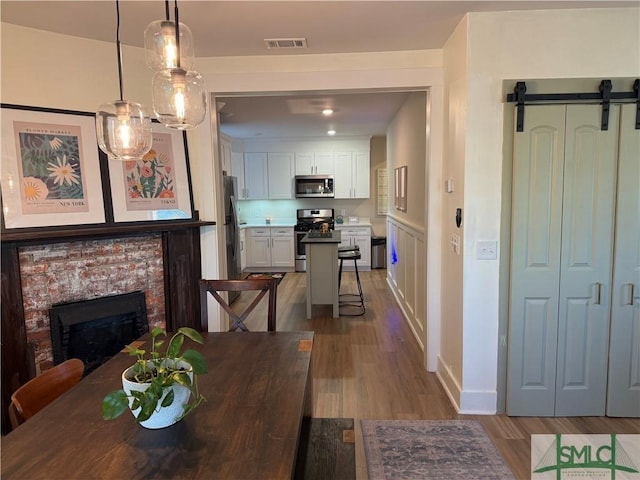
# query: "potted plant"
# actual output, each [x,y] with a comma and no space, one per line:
[162,387]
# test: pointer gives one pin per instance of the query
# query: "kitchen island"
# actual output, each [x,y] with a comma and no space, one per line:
[322,269]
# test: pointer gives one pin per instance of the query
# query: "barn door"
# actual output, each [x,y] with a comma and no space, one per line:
[562,237]
[624,352]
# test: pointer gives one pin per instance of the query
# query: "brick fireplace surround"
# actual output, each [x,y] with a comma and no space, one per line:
[83,270]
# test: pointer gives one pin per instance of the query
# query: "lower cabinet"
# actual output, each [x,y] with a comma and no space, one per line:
[270,247]
[360,236]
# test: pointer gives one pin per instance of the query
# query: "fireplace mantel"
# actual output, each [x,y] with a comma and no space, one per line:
[182,271]
[39,235]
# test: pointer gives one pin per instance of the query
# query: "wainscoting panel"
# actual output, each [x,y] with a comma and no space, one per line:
[406,273]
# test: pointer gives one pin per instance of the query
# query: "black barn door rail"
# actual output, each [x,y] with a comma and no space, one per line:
[605,96]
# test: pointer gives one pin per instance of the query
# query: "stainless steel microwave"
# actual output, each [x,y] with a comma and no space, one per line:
[307,186]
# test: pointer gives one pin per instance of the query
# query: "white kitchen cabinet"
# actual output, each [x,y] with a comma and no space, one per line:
[280,173]
[318,163]
[270,247]
[360,236]
[237,170]
[282,247]
[256,176]
[352,175]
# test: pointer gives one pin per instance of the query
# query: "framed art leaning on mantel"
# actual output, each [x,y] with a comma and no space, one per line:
[54,177]
[156,187]
[50,168]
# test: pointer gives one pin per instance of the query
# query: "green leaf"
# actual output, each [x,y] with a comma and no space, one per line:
[175,345]
[192,334]
[114,404]
[196,360]
[157,331]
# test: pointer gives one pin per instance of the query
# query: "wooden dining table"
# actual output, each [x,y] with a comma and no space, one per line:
[258,390]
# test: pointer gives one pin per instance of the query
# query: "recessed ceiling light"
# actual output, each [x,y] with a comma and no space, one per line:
[327,111]
[331,132]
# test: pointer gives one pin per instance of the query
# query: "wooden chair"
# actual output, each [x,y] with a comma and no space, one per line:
[263,285]
[40,391]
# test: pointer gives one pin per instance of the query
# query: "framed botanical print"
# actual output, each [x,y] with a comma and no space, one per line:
[50,168]
[401,188]
[157,187]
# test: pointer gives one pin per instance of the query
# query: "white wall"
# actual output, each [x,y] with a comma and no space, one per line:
[450,368]
[406,232]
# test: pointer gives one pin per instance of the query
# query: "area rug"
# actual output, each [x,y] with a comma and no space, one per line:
[278,275]
[431,449]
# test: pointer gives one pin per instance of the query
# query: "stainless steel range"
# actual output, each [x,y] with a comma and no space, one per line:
[309,219]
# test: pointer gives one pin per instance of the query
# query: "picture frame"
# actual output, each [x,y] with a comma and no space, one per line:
[401,188]
[156,188]
[51,173]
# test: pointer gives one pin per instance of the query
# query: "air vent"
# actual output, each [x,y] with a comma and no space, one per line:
[285,42]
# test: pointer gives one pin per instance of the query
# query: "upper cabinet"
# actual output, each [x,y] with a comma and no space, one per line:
[267,168]
[352,174]
[256,177]
[318,163]
[280,173]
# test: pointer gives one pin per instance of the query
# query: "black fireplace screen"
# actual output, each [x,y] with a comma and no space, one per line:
[95,330]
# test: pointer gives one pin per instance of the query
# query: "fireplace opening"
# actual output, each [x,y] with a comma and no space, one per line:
[97,329]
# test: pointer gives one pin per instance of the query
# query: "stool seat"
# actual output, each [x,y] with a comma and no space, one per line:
[356,300]
[355,255]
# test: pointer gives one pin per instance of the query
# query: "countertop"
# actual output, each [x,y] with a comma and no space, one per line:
[351,225]
[263,224]
[336,237]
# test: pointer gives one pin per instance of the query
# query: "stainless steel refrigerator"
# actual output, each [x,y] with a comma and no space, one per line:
[232,232]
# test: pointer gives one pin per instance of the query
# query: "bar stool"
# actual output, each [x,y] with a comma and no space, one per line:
[351,252]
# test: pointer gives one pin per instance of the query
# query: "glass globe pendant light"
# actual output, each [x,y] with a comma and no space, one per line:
[123,128]
[160,44]
[179,95]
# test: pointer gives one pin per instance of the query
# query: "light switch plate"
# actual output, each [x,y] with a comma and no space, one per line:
[448,185]
[455,243]
[487,250]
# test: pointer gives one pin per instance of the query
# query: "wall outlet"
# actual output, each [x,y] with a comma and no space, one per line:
[343,212]
[487,250]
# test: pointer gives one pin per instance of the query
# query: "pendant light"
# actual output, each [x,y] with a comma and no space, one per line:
[179,95]
[123,128]
[160,44]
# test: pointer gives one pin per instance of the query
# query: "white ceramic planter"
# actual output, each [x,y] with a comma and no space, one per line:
[163,416]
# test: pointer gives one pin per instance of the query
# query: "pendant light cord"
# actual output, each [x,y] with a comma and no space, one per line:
[118,48]
[166,9]
[177,35]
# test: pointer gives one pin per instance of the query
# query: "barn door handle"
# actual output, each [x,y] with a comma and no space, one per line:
[629,296]
[598,293]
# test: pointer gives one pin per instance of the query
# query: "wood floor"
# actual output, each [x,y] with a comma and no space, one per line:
[371,367]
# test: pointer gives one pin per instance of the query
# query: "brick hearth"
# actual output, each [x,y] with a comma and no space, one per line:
[81,270]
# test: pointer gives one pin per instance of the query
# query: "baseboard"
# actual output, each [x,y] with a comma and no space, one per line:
[466,402]
[449,383]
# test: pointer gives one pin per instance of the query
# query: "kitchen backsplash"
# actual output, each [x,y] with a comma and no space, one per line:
[284,211]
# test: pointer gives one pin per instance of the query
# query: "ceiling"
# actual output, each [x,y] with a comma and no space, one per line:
[239,28]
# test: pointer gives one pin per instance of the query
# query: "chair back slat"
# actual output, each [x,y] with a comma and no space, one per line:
[261,285]
[40,391]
